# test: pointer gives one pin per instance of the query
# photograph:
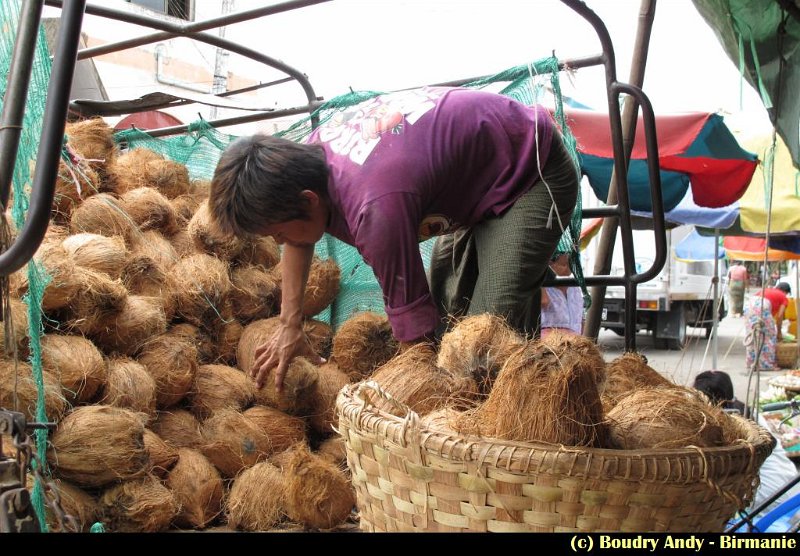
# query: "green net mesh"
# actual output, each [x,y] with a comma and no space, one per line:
[29,141]
[201,147]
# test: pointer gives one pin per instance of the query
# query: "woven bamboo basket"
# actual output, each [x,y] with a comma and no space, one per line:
[786,355]
[409,477]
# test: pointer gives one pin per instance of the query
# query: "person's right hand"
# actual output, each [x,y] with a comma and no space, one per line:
[277,352]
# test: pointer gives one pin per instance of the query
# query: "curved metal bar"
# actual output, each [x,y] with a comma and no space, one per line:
[49,154]
[656,197]
[177,30]
[185,28]
[19,77]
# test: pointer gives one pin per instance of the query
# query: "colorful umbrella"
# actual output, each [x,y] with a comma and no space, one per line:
[694,149]
[753,249]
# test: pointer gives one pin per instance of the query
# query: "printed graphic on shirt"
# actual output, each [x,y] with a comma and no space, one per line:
[435,225]
[357,131]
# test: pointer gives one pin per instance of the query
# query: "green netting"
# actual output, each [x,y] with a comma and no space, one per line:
[202,146]
[29,141]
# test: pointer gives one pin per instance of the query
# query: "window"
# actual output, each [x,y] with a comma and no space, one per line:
[181,9]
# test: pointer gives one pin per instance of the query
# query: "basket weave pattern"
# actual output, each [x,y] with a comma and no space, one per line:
[786,355]
[412,478]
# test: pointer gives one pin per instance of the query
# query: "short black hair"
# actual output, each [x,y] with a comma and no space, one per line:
[717,385]
[784,287]
[259,179]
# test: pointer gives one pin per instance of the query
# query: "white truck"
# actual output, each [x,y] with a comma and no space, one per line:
[680,296]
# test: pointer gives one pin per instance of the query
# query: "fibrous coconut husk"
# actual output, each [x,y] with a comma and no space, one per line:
[442,420]
[322,416]
[218,387]
[98,299]
[154,245]
[182,243]
[162,457]
[253,335]
[322,286]
[318,494]
[200,284]
[93,140]
[283,431]
[185,206]
[98,444]
[145,273]
[627,373]
[209,238]
[334,451]
[257,499]
[27,393]
[663,418]
[138,506]
[413,379]
[140,319]
[320,335]
[583,346]
[149,209]
[97,252]
[477,346]
[262,251]
[363,343]
[233,442]
[102,214]
[206,349]
[299,387]
[227,337]
[18,316]
[546,393]
[78,365]
[143,276]
[172,364]
[178,428]
[197,487]
[145,168]
[200,187]
[78,503]
[64,279]
[130,386]
[75,181]
[254,294]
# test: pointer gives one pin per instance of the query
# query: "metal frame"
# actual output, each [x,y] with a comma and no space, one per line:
[67,54]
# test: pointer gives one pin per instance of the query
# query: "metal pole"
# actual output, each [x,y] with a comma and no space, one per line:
[18,80]
[715,317]
[49,154]
[608,232]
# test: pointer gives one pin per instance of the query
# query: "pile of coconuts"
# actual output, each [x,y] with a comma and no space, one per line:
[146,310]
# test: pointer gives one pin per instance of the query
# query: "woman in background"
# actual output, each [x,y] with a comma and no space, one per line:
[562,306]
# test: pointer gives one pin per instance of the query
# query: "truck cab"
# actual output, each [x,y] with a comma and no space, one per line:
[681,295]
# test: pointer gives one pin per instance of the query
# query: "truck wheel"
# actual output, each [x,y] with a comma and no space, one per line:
[677,344]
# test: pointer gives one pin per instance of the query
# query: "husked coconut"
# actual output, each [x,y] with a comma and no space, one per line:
[197,487]
[97,444]
[141,505]
[257,498]
[129,386]
[363,343]
[78,365]
[97,252]
[173,366]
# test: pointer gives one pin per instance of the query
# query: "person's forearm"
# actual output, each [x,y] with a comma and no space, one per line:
[295,265]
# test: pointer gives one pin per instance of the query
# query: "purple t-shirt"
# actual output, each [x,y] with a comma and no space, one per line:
[411,165]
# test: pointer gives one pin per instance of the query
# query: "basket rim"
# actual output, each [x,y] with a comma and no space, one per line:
[682,465]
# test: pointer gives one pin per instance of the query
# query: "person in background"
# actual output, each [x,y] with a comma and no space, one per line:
[737,284]
[488,175]
[562,306]
[763,323]
[777,469]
